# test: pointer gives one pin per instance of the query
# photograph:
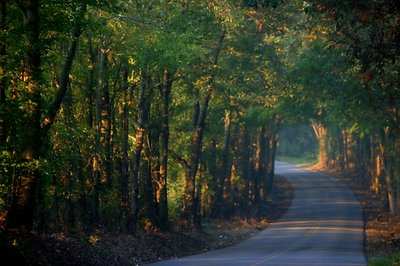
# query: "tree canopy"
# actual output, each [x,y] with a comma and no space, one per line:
[136,114]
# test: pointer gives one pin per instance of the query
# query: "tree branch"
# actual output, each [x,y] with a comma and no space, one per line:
[55,107]
[179,159]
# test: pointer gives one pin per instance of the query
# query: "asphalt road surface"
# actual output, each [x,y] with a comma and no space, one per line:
[324,226]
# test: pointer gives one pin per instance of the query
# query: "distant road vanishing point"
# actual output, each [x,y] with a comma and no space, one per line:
[324,226]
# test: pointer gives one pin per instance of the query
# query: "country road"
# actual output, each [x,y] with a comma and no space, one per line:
[324,226]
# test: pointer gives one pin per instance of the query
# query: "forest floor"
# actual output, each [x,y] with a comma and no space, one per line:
[382,231]
[105,248]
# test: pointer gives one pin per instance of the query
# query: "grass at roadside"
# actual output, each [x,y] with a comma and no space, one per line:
[385,261]
[299,161]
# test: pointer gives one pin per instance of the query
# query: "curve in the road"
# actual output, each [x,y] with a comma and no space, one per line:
[324,226]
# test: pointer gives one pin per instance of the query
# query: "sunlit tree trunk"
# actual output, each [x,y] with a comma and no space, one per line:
[234,201]
[137,149]
[195,154]
[162,197]
[321,134]
[124,161]
[259,165]
[147,173]
[375,163]
[221,194]
[198,197]
[197,141]
[340,150]
[387,149]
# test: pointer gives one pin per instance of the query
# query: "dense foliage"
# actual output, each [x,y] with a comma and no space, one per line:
[133,114]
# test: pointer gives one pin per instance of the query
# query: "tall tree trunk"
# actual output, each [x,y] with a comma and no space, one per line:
[90,82]
[374,165]
[91,98]
[195,155]
[271,158]
[321,134]
[162,197]
[387,150]
[340,150]
[257,165]
[224,173]
[23,206]
[213,181]
[124,178]
[148,173]
[137,149]
[197,140]
[97,160]
[198,195]
[234,199]
[226,167]
[3,82]
[246,166]
[106,142]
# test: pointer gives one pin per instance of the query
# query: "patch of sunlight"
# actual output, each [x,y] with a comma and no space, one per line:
[93,239]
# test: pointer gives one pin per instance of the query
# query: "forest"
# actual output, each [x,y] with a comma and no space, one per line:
[137,114]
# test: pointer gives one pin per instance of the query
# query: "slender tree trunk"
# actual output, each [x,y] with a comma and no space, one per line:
[91,98]
[387,149]
[197,201]
[397,174]
[340,150]
[162,197]
[234,199]
[124,178]
[64,81]
[258,165]
[103,123]
[271,158]
[196,142]
[90,83]
[261,164]
[96,160]
[148,173]
[137,150]
[73,172]
[213,182]
[3,81]
[374,166]
[106,127]
[195,154]
[224,173]
[246,166]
